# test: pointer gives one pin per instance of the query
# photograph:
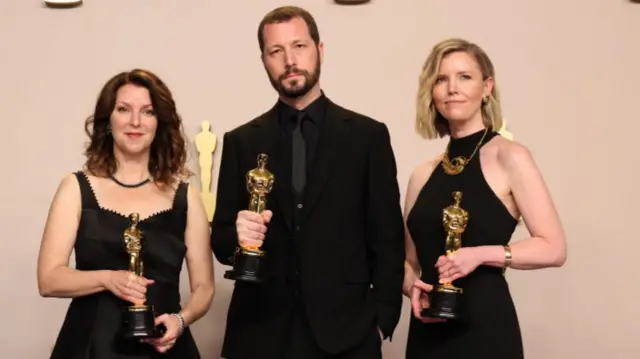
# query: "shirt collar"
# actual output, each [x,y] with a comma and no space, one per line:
[315,111]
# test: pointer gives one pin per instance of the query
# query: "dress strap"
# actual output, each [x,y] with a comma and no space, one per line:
[180,202]
[86,192]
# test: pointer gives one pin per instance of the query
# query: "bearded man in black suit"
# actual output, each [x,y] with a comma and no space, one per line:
[333,232]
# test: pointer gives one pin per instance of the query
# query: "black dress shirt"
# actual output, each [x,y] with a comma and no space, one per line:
[311,126]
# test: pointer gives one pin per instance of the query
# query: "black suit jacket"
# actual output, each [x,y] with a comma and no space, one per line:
[349,236]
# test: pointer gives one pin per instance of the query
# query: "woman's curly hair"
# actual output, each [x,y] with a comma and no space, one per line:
[168,157]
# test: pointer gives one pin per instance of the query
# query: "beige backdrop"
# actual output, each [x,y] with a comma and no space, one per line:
[568,71]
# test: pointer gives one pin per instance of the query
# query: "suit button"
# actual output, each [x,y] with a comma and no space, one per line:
[299,205]
[298,228]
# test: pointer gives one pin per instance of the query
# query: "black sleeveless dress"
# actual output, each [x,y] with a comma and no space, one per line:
[92,324]
[491,328]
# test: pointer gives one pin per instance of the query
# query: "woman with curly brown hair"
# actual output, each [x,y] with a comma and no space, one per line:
[135,168]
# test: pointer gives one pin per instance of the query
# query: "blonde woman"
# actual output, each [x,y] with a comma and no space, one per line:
[497,182]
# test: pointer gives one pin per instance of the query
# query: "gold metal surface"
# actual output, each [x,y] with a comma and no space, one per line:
[259,184]
[456,166]
[133,245]
[455,220]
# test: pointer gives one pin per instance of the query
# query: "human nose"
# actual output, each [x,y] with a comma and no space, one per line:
[452,87]
[135,119]
[289,58]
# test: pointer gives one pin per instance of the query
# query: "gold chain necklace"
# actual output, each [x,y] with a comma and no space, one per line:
[455,166]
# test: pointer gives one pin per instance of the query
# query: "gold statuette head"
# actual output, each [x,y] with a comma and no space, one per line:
[260,180]
[455,218]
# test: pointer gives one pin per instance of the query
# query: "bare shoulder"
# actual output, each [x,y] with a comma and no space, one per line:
[512,151]
[192,192]
[194,200]
[512,155]
[67,198]
[69,187]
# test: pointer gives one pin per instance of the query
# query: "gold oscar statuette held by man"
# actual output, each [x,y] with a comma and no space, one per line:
[248,261]
[139,319]
[445,298]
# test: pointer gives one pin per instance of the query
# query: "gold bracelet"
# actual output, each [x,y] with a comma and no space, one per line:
[507,256]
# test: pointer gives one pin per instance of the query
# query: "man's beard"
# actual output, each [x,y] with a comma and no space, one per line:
[296,91]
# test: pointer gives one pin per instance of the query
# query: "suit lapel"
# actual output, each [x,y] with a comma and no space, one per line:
[332,139]
[267,138]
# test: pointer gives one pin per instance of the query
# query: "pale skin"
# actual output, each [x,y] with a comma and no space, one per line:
[133,125]
[511,173]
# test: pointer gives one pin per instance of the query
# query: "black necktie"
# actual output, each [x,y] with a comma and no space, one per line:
[299,154]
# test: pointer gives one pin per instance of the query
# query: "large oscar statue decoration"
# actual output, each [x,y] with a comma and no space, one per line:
[445,299]
[248,261]
[504,132]
[206,145]
[139,319]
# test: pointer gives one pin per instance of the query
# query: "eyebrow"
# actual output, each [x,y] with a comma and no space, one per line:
[129,105]
[294,42]
[461,72]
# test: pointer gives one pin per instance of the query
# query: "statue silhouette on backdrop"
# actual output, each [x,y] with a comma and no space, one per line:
[504,132]
[206,144]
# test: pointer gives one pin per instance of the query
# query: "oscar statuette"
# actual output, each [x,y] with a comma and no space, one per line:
[248,261]
[445,298]
[139,319]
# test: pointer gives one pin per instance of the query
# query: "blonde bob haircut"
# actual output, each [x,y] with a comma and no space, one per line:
[429,122]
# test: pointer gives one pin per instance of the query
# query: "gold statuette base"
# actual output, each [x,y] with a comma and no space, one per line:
[139,322]
[444,302]
[248,266]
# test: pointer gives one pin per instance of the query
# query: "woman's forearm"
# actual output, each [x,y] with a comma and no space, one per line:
[410,276]
[65,282]
[527,254]
[198,305]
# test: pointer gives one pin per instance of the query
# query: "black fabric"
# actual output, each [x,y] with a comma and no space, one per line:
[91,328]
[490,329]
[315,114]
[334,253]
[298,156]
